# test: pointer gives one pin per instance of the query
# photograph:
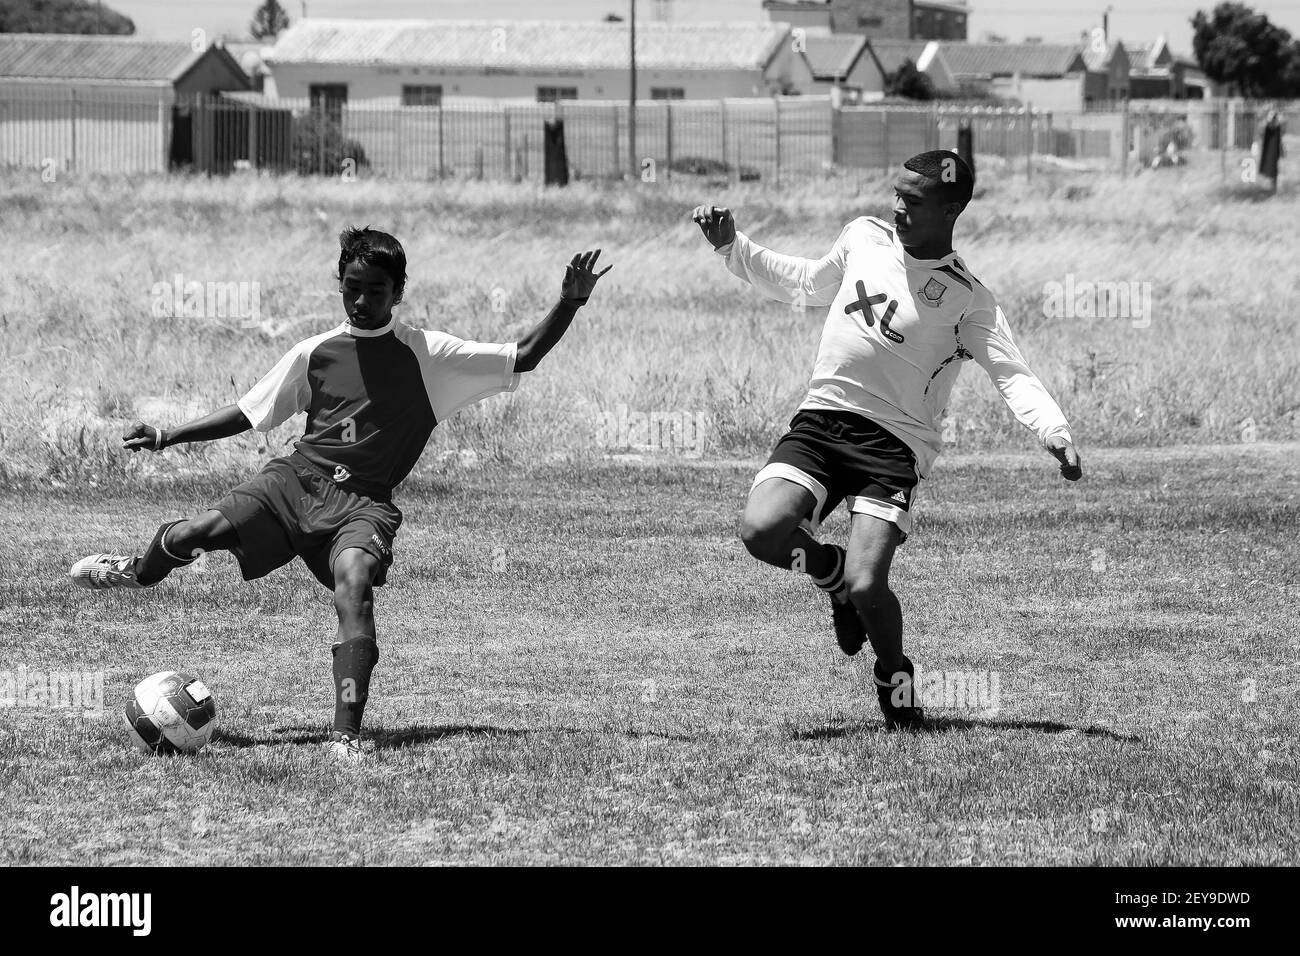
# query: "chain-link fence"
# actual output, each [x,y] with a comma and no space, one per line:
[768,140]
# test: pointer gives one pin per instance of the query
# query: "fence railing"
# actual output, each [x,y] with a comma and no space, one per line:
[768,139]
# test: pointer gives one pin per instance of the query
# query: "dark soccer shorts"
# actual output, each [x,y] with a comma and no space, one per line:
[842,456]
[289,509]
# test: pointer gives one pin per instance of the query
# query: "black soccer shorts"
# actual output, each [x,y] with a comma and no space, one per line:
[289,509]
[842,456]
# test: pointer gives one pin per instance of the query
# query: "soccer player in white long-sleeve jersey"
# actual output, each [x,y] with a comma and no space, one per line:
[905,312]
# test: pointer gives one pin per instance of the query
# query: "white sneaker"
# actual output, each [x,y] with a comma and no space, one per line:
[344,748]
[101,571]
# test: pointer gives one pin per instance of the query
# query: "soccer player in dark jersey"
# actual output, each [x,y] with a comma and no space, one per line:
[373,389]
[905,313]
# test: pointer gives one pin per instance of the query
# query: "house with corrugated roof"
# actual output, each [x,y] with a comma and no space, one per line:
[1047,75]
[53,64]
[926,55]
[103,103]
[423,62]
[838,65]
[1156,72]
[1108,72]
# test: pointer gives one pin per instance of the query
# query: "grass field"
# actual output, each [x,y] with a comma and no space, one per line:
[579,661]
[586,667]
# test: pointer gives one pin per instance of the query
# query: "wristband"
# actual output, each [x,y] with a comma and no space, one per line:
[160,439]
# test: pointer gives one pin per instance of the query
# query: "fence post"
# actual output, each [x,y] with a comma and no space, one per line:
[776,105]
[505,117]
[884,137]
[668,112]
[618,158]
[441,168]
[72,112]
[1223,141]
[1029,140]
[1123,145]
[722,105]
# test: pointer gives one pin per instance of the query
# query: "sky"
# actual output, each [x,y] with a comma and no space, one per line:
[1052,20]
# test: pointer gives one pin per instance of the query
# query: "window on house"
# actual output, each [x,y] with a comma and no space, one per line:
[866,22]
[667,93]
[549,94]
[328,98]
[421,95]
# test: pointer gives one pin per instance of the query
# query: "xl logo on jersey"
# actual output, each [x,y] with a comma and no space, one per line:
[864,304]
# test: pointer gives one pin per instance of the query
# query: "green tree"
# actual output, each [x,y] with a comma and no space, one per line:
[910,82]
[269,21]
[1242,49]
[62,16]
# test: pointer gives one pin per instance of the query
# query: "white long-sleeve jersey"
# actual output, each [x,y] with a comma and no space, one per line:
[897,333]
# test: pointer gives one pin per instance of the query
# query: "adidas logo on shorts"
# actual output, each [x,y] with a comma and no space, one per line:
[899,497]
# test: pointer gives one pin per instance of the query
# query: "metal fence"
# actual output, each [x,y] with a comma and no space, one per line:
[769,139]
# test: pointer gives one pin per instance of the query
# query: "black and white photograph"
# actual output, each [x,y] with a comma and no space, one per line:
[651,433]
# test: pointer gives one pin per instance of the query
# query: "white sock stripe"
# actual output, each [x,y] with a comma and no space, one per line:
[832,581]
[167,551]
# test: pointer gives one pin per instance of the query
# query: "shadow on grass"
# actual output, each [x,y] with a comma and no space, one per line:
[410,736]
[935,725]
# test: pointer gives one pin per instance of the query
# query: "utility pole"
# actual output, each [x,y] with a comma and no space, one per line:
[631,112]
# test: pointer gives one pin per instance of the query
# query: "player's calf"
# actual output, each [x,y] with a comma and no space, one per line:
[356,652]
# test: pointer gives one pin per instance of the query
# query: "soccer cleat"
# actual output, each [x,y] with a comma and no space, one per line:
[98,572]
[344,748]
[849,632]
[896,697]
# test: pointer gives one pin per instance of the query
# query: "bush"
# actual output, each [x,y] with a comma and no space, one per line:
[705,166]
[319,147]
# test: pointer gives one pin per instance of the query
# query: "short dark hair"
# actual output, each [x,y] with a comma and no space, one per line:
[954,178]
[371,247]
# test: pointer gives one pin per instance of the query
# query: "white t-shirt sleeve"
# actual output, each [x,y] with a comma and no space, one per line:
[785,278]
[281,393]
[461,372]
[987,336]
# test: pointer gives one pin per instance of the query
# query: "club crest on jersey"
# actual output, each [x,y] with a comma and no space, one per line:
[932,293]
[341,473]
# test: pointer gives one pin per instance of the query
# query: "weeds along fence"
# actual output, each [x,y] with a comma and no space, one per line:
[769,139]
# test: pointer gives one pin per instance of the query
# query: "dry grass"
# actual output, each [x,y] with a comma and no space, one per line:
[668,330]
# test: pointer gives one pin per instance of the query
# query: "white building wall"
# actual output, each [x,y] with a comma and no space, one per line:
[383,84]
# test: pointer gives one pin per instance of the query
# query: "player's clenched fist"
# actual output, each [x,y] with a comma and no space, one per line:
[141,435]
[716,224]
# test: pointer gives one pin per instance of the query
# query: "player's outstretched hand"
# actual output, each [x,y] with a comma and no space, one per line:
[1064,452]
[141,435]
[580,276]
[716,223]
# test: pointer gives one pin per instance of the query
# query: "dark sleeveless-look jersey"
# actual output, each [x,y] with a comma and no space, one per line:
[374,396]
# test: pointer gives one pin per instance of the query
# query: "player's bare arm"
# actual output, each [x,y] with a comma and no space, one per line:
[223,423]
[580,278]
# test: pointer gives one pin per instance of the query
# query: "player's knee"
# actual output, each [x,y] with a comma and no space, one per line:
[866,588]
[762,538]
[353,576]
[202,531]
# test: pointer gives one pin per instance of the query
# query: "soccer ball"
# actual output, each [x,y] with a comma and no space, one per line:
[170,713]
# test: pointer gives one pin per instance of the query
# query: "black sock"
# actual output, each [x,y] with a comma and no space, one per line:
[833,583]
[353,662]
[893,682]
[157,562]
